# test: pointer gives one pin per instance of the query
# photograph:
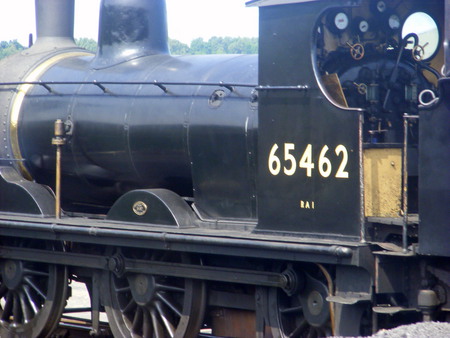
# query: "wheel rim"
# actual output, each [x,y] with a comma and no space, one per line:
[32,298]
[142,305]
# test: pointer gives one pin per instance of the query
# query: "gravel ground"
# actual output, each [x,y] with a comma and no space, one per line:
[419,330]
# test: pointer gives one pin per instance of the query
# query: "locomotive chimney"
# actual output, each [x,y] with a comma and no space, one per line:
[54,23]
[130,29]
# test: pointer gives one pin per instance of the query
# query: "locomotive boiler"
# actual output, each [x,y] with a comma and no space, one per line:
[302,191]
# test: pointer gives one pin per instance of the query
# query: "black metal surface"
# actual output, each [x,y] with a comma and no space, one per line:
[226,244]
[434,173]
[22,196]
[144,136]
[292,198]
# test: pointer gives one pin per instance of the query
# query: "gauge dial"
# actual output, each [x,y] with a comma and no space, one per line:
[381,6]
[394,22]
[341,21]
[378,6]
[363,26]
[360,26]
[337,21]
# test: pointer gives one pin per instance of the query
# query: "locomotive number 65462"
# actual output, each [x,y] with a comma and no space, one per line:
[324,161]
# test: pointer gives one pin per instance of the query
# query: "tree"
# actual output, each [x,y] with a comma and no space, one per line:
[215,45]
[198,46]
[243,46]
[9,48]
[89,44]
[224,45]
[178,48]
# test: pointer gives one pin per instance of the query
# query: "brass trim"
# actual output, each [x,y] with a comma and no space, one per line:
[16,107]
[140,208]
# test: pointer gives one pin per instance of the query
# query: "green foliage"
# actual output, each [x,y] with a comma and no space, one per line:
[9,48]
[89,44]
[215,45]
[178,48]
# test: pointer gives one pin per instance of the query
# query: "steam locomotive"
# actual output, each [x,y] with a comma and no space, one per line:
[303,191]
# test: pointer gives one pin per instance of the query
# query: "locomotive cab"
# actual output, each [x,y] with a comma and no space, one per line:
[387,60]
[366,67]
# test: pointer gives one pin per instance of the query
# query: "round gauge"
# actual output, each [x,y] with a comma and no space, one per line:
[360,26]
[341,21]
[394,22]
[363,26]
[381,6]
[337,21]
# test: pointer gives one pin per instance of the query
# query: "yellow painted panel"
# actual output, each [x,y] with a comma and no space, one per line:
[382,182]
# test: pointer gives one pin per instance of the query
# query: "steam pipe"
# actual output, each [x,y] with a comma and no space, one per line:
[55,23]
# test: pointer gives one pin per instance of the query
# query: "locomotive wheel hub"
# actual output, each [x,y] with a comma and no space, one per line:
[12,272]
[142,288]
[313,299]
[315,303]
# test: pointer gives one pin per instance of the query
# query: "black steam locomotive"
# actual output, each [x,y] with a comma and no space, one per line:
[303,191]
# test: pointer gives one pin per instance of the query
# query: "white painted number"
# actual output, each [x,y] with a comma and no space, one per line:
[306,161]
[274,161]
[341,173]
[289,158]
[324,163]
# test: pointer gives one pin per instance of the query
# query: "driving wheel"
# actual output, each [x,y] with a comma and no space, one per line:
[304,312]
[32,296]
[145,305]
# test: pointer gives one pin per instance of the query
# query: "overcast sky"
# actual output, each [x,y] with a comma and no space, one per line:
[188,19]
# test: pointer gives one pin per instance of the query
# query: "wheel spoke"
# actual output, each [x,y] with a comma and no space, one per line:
[159,331]
[137,320]
[147,330]
[299,329]
[17,315]
[293,309]
[131,306]
[168,303]
[34,287]
[32,303]
[164,317]
[164,287]
[25,308]
[122,290]
[35,273]
[312,333]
